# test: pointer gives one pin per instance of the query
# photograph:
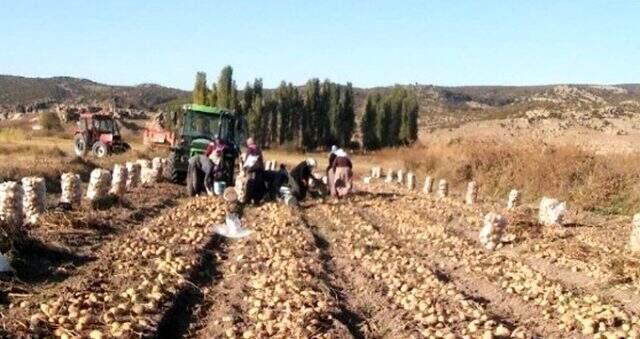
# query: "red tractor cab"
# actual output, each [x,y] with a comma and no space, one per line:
[98,133]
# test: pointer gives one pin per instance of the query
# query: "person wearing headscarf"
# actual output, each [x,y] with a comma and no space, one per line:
[332,157]
[253,167]
[216,145]
[299,178]
[201,173]
[341,183]
[215,153]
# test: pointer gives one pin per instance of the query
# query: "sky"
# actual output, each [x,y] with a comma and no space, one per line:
[368,42]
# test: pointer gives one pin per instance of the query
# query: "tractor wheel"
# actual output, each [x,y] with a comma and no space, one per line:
[171,172]
[79,145]
[192,181]
[100,150]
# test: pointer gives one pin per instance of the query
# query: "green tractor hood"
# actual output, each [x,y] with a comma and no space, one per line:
[198,146]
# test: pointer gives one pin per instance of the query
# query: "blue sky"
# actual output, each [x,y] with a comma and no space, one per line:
[369,43]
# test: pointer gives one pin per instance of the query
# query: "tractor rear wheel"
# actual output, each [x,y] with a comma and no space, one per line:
[171,172]
[100,150]
[79,145]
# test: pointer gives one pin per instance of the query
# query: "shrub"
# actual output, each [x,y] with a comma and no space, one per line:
[50,121]
[604,183]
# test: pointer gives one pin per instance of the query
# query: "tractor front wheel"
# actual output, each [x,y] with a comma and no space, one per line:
[79,145]
[100,150]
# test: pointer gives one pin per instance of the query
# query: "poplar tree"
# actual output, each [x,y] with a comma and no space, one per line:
[213,95]
[368,125]
[200,89]
[225,88]
[309,118]
[254,118]
[347,116]
[383,120]
[247,98]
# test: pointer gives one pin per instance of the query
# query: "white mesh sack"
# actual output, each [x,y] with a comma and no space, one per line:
[157,164]
[119,180]
[411,181]
[71,189]
[472,193]
[428,185]
[551,211]
[34,198]
[492,230]
[99,183]
[133,174]
[11,211]
[514,199]
[443,188]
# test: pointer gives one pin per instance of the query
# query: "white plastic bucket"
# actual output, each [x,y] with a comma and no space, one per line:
[218,187]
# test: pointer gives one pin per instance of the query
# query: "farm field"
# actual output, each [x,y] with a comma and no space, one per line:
[320,169]
[387,262]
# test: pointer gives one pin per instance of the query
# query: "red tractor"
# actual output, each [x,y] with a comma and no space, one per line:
[98,133]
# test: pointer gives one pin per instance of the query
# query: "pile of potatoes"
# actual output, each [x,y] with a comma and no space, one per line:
[432,307]
[278,265]
[586,314]
[153,262]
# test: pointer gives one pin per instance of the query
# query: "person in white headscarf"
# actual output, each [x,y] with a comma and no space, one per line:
[332,157]
[342,173]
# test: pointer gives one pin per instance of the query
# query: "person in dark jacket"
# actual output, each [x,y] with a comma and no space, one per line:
[253,166]
[274,180]
[299,178]
[200,175]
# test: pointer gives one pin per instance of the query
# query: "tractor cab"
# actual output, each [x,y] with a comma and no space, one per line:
[98,133]
[201,125]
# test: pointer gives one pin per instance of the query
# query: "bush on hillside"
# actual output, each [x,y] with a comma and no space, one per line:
[50,121]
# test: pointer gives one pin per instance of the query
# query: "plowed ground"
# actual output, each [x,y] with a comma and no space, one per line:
[385,263]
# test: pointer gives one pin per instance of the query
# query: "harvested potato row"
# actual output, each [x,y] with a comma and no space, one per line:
[278,266]
[434,307]
[569,310]
[151,267]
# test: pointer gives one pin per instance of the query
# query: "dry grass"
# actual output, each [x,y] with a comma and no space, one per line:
[24,154]
[601,183]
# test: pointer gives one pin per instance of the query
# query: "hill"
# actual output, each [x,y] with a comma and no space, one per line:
[440,107]
[23,91]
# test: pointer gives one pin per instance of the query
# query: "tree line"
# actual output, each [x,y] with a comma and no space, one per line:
[319,114]
[390,120]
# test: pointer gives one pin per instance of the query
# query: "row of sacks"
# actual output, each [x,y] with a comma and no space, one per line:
[550,212]
[23,202]
[442,189]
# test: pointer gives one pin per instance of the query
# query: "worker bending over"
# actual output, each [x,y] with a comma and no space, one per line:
[299,178]
[341,175]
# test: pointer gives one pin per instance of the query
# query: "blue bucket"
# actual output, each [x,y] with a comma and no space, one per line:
[218,187]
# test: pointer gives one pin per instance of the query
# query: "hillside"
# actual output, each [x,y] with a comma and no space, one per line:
[23,91]
[440,107]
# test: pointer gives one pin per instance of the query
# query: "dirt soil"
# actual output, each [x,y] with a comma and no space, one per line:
[386,262]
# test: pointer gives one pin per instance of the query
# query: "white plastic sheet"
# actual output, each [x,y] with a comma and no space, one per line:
[232,228]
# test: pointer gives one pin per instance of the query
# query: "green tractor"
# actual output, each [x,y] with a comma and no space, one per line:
[198,126]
